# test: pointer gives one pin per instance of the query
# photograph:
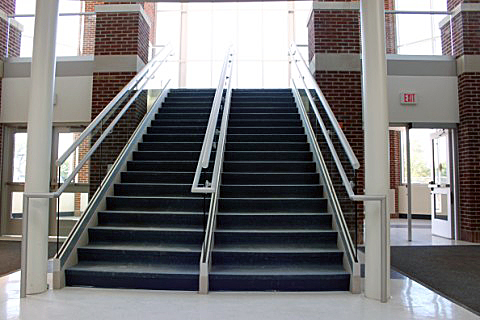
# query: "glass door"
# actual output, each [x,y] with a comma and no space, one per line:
[441,186]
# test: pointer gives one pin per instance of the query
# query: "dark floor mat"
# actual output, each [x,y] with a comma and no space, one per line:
[451,271]
[10,253]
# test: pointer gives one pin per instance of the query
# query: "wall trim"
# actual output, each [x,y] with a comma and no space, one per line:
[468,63]
[336,62]
[66,67]
[17,25]
[118,63]
[123,8]
[336,5]
[462,7]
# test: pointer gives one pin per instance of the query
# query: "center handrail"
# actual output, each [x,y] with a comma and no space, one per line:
[205,153]
[204,160]
[345,182]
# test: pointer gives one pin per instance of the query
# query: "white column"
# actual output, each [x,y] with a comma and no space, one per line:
[375,121]
[40,114]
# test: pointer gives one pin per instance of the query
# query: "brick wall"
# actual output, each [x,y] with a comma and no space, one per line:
[469,157]
[395,167]
[8,6]
[90,23]
[451,4]
[391,39]
[105,87]
[121,34]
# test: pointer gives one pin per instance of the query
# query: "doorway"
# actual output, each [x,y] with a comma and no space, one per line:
[424,191]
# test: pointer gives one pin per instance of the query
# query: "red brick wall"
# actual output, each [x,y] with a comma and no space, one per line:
[121,34]
[90,23]
[395,167]
[469,156]
[8,6]
[106,85]
[451,4]
[334,31]
[390,28]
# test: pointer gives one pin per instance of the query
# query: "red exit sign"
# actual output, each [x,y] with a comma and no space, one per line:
[408,98]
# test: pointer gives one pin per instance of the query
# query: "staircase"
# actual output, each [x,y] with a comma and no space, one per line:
[273,230]
[150,235]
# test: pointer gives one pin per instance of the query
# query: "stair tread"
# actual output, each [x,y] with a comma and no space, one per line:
[171,247]
[278,270]
[150,212]
[147,228]
[276,248]
[281,231]
[142,268]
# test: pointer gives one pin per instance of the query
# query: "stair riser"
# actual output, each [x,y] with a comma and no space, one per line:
[128,256]
[158,177]
[178,129]
[265,116]
[268,179]
[179,122]
[166,155]
[278,283]
[279,146]
[171,166]
[173,138]
[265,130]
[266,138]
[170,146]
[233,191]
[150,220]
[270,205]
[182,115]
[264,123]
[269,110]
[155,190]
[272,98]
[131,280]
[269,258]
[250,238]
[268,156]
[186,109]
[177,99]
[157,204]
[266,221]
[151,237]
[268,167]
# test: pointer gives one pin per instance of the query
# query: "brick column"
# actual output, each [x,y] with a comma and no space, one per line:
[395,167]
[466,42]
[334,55]
[88,47]
[121,46]
[390,32]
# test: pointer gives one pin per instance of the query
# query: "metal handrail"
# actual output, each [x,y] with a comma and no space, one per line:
[346,183]
[214,189]
[326,106]
[147,73]
[159,59]
[204,159]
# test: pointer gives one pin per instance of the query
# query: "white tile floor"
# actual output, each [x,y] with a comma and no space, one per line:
[409,300]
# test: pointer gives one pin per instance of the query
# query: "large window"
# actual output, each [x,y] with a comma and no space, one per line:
[419,33]
[259,31]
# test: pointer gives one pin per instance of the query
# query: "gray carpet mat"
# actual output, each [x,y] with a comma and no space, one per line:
[451,271]
[10,254]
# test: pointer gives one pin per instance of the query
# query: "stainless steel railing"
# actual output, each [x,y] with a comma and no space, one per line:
[204,160]
[138,83]
[303,76]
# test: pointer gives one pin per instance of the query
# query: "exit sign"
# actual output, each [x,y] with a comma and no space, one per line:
[408,98]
